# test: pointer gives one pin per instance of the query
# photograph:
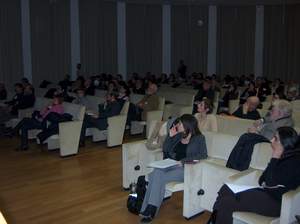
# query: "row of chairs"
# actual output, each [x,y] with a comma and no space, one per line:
[203,180]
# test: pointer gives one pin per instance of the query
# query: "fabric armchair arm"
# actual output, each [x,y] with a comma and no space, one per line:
[247,177]
[116,128]
[290,206]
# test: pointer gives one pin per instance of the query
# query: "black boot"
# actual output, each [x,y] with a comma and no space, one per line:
[213,216]
[149,214]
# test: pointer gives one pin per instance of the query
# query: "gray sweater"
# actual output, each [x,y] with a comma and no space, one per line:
[196,149]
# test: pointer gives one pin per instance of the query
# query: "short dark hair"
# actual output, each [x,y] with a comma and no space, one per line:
[190,124]
[208,105]
[288,137]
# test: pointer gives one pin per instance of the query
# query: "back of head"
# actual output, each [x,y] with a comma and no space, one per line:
[288,138]
[284,106]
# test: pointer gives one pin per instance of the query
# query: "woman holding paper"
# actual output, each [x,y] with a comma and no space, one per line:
[281,175]
[184,143]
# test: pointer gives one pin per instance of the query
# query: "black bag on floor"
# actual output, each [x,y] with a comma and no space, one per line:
[136,196]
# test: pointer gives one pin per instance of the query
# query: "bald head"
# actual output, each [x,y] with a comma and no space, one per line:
[253,102]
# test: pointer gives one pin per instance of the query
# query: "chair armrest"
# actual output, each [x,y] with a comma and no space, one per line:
[116,128]
[247,177]
[155,115]
[290,206]
[25,113]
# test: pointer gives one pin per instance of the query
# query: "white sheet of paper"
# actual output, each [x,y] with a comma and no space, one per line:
[239,188]
[163,164]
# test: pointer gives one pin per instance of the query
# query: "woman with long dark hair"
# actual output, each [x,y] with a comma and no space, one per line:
[184,143]
[281,175]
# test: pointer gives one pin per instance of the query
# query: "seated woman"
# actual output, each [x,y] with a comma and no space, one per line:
[206,120]
[38,121]
[184,143]
[281,175]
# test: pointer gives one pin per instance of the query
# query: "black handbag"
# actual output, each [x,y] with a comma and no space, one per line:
[136,196]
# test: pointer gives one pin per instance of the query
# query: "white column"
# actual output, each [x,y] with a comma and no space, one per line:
[212,40]
[26,39]
[259,41]
[75,36]
[166,39]
[121,32]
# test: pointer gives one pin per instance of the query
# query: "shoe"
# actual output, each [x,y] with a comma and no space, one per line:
[146,219]
[81,144]
[22,148]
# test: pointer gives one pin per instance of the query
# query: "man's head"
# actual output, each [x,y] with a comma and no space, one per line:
[281,108]
[152,89]
[28,90]
[206,85]
[110,97]
[19,88]
[80,92]
[253,102]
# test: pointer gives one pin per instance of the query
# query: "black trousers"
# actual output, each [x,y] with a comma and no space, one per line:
[254,200]
[90,122]
[25,125]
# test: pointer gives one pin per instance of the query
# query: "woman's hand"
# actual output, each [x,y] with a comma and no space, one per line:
[173,131]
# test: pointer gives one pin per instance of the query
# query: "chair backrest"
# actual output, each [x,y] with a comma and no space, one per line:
[93,102]
[178,97]
[100,93]
[232,125]
[233,105]
[219,145]
[135,98]
[161,103]
[77,111]
[261,156]
[125,108]
[41,103]
[296,105]
[296,118]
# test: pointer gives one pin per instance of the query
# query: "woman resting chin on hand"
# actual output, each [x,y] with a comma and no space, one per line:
[184,143]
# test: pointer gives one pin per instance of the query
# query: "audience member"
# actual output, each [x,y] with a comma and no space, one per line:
[262,131]
[249,109]
[281,175]
[184,143]
[204,91]
[206,120]
[250,91]
[3,92]
[99,120]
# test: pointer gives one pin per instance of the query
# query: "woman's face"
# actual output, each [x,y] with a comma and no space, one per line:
[201,107]
[56,101]
[276,144]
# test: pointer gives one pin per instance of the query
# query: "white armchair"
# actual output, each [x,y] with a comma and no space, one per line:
[289,207]
[69,132]
[137,127]
[115,131]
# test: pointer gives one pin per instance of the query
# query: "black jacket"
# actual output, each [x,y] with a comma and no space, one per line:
[285,171]
[253,115]
[111,109]
[195,150]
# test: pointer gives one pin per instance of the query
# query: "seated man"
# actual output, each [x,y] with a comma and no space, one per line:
[248,109]
[81,98]
[262,131]
[112,107]
[148,103]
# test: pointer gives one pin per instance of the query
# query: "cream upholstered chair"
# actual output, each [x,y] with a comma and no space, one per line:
[69,132]
[115,130]
[137,127]
[289,207]
[203,180]
[2,219]
[296,105]
[180,102]
[233,105]
[233,125]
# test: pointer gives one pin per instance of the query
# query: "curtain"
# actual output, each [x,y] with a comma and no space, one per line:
[11,64]
[236,40]
[50,39]
[144,38]
[189,37]
[281,42]
[98,36]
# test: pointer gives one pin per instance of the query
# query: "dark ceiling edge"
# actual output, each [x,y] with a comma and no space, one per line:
[212,2]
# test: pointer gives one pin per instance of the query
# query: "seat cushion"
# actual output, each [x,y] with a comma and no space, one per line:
[252,218]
